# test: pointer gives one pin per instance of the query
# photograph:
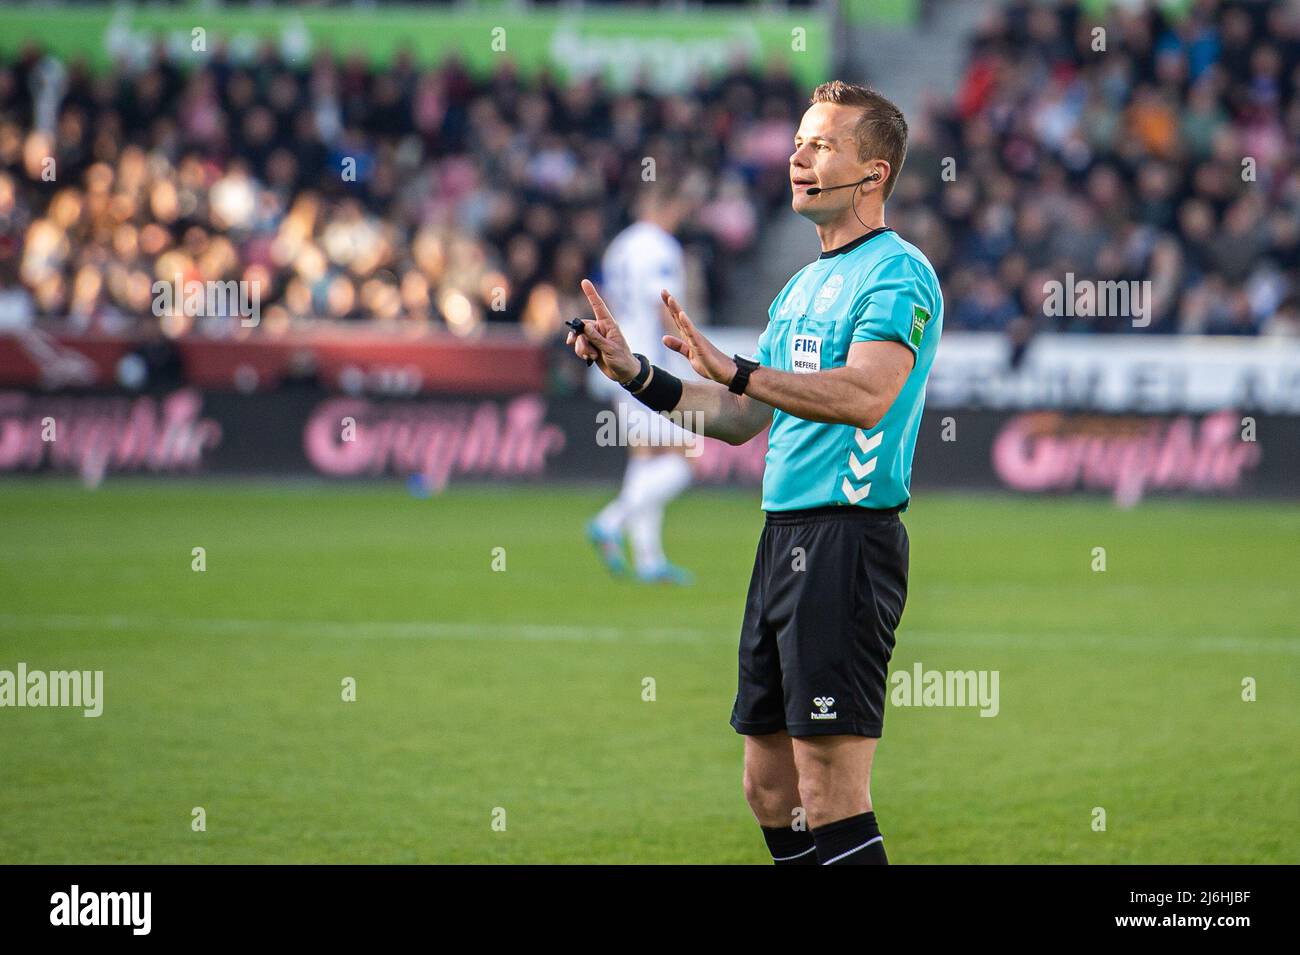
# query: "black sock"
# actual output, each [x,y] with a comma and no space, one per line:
[852,841]
[790,846]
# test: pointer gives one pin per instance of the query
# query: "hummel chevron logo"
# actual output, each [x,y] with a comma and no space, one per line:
[861,469]
[868,444]
[855,494]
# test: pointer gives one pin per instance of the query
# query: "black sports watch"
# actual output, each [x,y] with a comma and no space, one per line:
[744,367]
[637,381]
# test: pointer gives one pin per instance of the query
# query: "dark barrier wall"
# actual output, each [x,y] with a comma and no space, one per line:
[533,437]
[352,359]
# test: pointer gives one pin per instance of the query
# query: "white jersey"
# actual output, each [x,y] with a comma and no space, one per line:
[641,260]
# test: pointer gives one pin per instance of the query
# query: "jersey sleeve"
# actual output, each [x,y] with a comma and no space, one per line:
[894,304]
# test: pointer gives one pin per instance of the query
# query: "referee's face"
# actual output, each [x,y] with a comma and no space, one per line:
[825,154]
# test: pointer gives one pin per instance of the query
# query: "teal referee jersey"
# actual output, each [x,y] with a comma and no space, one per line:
[876,288]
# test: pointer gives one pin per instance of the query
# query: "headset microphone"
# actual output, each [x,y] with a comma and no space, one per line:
[818,190]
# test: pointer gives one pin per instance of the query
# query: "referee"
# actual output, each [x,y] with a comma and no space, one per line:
[840,378]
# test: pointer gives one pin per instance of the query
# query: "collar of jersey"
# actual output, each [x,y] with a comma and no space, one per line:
[850,246]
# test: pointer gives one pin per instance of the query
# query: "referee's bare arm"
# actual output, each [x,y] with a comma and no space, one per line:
[859,393]
[730,418]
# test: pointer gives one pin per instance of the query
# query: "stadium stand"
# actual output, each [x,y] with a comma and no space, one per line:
[430,197]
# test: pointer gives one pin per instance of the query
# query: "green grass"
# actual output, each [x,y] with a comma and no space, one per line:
[522,689]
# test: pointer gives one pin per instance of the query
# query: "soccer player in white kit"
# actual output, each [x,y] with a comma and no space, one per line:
[642,259]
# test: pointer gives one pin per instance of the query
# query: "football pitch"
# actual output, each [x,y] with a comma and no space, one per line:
[515,704]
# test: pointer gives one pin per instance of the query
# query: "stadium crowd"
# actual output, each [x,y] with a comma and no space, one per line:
[397,195]
[1170,155]
[418,196]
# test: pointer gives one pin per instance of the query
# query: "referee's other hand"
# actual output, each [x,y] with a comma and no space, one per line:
[706,358]
[602,340]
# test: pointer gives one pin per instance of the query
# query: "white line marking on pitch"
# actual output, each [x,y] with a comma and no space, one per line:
[1200,643]
[416,629]
[453,630]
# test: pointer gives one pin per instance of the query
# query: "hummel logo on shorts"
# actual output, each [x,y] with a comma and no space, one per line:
[823,703]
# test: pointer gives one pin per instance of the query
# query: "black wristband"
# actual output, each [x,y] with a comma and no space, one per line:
[744,367]
[662,393]
[637,381]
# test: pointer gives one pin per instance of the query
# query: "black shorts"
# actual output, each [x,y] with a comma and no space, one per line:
[827,592]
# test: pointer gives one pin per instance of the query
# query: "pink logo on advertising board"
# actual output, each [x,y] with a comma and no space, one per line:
[436,441]
[93,436]
[1127,456]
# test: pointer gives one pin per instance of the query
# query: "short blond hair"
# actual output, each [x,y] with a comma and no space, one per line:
[881,132]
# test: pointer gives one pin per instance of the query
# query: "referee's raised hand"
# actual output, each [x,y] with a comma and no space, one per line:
[706,358]
[602,340]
